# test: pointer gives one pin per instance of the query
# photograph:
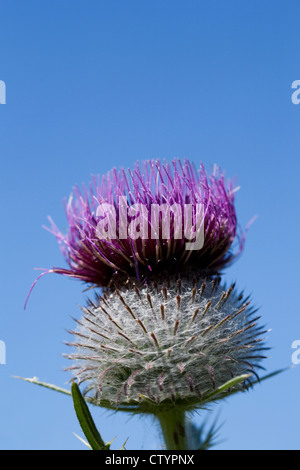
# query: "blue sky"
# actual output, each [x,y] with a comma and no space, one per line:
[97,84]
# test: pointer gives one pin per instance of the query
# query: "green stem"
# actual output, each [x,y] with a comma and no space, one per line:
[172,424]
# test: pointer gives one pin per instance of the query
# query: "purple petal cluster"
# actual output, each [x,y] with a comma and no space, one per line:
[99,261]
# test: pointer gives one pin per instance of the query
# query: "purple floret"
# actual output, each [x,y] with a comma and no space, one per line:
[98,261]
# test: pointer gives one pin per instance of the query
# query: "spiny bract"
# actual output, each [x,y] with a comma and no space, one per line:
[165,342]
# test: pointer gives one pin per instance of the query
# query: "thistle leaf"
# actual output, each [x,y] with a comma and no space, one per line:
[83,441]
[262,379]
[36,381]
[86,421]
[209,441]
[216,394]
[123,446]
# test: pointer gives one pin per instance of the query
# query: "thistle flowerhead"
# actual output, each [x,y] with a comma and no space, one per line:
[138,222]
[165,336]
[169,343]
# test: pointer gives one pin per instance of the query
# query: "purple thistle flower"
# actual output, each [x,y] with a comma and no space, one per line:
[166,337]
[98,261]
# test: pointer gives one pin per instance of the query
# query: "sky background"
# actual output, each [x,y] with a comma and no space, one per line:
[97,84]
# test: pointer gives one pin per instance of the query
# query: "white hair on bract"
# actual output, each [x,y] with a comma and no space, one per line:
[168,342]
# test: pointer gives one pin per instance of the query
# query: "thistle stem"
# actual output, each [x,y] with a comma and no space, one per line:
[172,424]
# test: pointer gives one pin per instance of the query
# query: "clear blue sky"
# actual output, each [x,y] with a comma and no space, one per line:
[97,84]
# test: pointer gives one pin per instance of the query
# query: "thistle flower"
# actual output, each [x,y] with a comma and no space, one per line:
[166,344]
[166,336]
[97,260]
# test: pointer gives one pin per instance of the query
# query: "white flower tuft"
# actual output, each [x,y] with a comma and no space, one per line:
[169,342]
